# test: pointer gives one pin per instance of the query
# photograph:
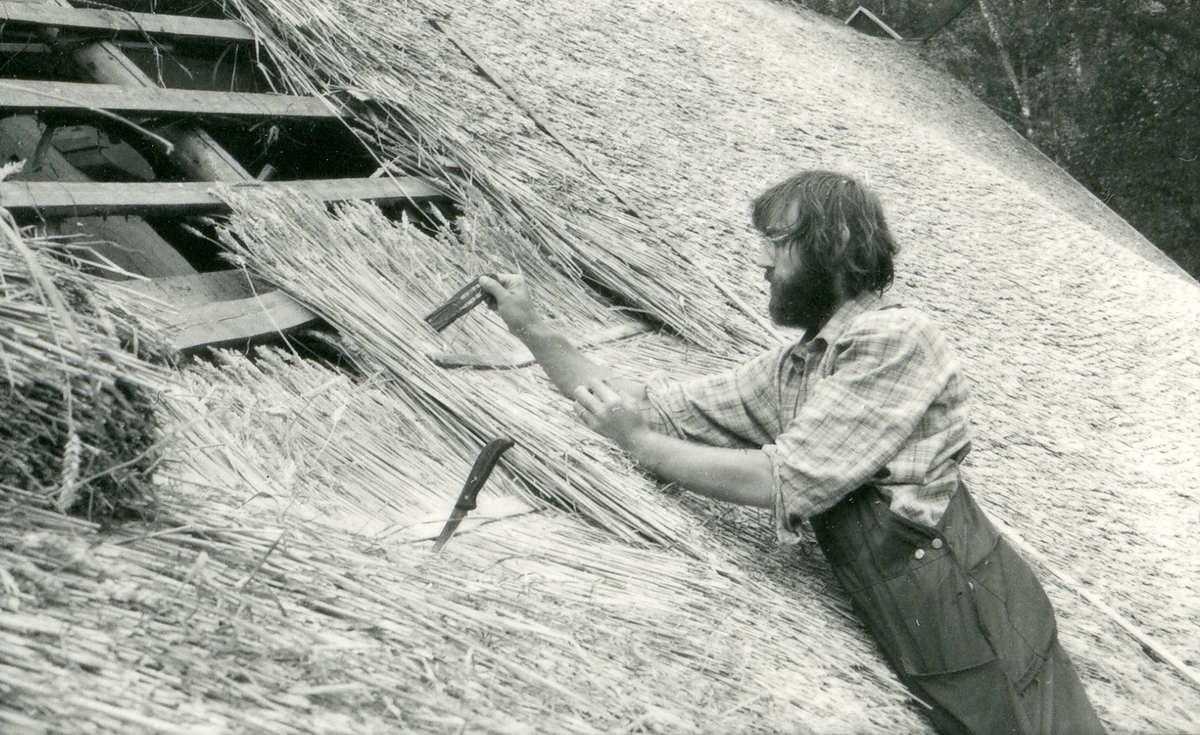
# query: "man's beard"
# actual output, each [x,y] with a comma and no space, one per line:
[805,300]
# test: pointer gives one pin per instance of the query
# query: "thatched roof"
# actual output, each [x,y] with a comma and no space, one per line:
[288,584]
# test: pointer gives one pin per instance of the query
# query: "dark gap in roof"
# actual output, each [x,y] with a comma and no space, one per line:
[179,64]
[615,300]
[429,219]
[322,149]
[100,151]
[195,240]
[23,56]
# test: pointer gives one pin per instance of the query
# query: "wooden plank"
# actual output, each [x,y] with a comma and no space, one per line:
[138,24]
[865,21]
[66,199]
[199,289]
[128,242]
[219,308]
[22,96]
[234,321]
[31,47]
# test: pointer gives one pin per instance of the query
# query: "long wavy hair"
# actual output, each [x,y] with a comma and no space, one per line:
[837,223]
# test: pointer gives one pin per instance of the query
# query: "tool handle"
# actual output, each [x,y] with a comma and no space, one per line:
[467,298]
[482,468]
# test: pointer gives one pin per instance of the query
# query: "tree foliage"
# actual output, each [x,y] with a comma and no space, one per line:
[1111,91]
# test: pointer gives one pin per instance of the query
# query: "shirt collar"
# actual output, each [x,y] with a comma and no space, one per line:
[846,313]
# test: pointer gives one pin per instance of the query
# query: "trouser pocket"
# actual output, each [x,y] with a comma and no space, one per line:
[927,617]
[1015,613]
[928,624]
[1013,608]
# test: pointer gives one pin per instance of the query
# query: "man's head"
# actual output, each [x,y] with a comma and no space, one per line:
[827,242]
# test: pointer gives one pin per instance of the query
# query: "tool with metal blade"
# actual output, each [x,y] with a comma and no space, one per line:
[467,298]
[466,499]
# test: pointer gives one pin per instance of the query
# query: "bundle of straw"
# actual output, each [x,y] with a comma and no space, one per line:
[418,104]
[372,279]
[79,431]
[257,607]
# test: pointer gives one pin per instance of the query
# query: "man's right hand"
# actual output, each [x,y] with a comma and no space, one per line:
[513,301]
[564,364]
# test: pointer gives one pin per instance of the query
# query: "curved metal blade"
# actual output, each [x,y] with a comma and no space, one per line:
[449,529]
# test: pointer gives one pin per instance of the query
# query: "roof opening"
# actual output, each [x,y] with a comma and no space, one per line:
[123,120]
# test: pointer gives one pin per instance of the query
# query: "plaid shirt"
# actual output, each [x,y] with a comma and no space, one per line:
[876,396]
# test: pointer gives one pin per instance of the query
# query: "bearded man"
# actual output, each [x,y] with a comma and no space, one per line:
[858,428]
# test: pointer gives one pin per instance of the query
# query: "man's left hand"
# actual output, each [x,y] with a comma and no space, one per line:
[611,414]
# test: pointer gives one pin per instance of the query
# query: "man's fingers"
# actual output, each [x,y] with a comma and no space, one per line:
[602,391]
[491,286]
[587,400]
[509,280]
[602,395]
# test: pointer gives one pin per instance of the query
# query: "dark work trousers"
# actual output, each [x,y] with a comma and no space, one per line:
[959,615]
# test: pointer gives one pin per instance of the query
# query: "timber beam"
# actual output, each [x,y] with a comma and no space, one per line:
[38,96]
[71,199]
[135,25]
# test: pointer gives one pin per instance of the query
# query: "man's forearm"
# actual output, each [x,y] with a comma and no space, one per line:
[566,366]
[741,476]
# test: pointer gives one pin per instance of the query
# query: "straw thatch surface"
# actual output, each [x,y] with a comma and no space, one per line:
[289,587]
[1084,356]
[408,86]
[273,599]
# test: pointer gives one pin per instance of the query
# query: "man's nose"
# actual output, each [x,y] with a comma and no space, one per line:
[766,255]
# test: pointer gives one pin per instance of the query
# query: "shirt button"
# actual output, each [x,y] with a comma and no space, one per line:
[920,553]
[937,543]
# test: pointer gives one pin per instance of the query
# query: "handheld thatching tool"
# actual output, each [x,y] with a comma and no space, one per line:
[484,463]
[467,298]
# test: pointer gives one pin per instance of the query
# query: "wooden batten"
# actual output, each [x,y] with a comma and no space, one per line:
[138,25]
[68,199]
[222,308]
[198,289]
[224,322]
[22,96]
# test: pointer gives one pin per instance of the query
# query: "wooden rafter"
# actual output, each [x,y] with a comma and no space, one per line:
[114,22]
[66,199]
[29,96]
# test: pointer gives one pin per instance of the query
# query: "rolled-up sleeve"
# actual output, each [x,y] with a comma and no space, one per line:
[883,376]
[737,408]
